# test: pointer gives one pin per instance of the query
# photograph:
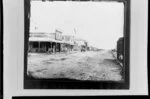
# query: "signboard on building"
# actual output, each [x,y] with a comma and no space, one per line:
[38,35]
[51,35]
[68,39]
[58,35]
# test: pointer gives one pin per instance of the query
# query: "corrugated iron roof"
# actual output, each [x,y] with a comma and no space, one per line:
[43,39]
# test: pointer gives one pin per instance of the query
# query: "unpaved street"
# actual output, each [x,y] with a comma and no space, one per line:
[97,66]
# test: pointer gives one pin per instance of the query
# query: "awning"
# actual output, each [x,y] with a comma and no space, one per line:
[40,39]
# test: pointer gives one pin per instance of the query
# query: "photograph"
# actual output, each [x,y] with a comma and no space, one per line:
[76,43]
[65,48]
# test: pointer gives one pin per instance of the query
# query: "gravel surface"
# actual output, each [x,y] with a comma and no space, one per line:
[95,66]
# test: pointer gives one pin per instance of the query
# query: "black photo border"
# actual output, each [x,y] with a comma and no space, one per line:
[1,48]
[30,83]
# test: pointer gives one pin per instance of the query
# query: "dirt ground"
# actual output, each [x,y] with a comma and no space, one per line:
[90,65]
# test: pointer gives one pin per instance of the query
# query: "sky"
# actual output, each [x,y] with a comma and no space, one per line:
[100,23]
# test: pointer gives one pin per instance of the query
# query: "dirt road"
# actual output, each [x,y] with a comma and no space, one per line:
[97,66]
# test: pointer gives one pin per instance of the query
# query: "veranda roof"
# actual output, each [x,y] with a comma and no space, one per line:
[44,39]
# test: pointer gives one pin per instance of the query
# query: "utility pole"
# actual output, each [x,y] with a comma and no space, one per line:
[75,31]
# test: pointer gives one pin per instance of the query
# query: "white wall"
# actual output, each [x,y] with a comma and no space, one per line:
[14,53]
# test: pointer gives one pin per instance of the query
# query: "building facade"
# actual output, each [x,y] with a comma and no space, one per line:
[44,42]
[55,42]
[50,42]
[80,45]
[68,43]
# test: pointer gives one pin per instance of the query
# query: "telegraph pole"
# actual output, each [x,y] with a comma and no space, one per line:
[75,32]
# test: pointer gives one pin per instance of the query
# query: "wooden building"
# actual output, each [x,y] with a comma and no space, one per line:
[44,42]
